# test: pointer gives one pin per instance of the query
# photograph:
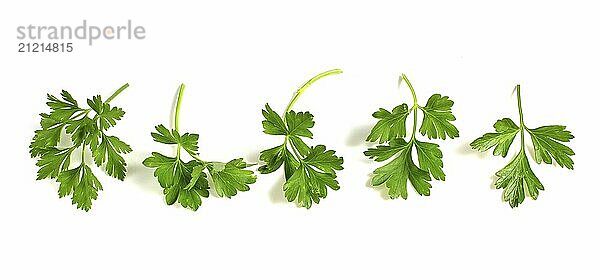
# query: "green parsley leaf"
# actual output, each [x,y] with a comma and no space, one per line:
[391,131]
[546,143]
[273,158]
[517,178]
[430,159]
[273,124]
[506,131]
[107,115]
[109,150]
[189,142]
[392,124]
[62,109]
[437,115]
[187,182]
[395,174]
[85,133]
[231,177]
[53,162]
[179,180]
[307,185]
[299,123]
[82,184]
[309,171]
[47,137]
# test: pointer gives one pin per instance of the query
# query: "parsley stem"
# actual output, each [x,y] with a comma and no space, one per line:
[179,97]
[114,95]
[306,85]
[295,150]
[414,107]
[178,107]
[117,92]
[82,153]
[198,159]
[521,122]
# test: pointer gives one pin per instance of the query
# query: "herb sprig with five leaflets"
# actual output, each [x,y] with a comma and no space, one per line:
[54,159]
[391,131]
[517,179]
[187,182]
[308,170]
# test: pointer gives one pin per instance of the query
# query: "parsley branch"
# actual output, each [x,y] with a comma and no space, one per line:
[390,132]
[517,178]
[308,170]
[187,182]
[177,108]
[521,122]
[303,88]
[415,104]
[66,115]
[114,95]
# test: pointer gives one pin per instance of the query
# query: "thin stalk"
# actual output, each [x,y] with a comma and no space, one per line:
[296,152]
[297,95]
[198,159]
[177,108]
[521,122]
[117,92]
[114,95]
[308,84]
[83,153]
[414,107]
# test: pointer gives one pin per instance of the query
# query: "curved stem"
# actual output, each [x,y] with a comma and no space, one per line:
[414,107]
[298,94]
[412,90]
[521,122]
[177,108]
[308,84]
[117,92]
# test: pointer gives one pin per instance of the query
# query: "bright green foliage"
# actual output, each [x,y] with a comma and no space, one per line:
[187,182]
[396,173]
[514,177]
[391,126]
[84,132]
[506,131]
[175,177]
[517,179]
[309,171]
[390,132]
[437,115]
[546,143]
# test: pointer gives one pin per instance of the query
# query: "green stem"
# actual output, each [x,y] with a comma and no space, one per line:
[521,122]
[177,108]
[114,95]
[198,159]
[306,85]
[82,153]
[414,107]
[117,92]
[298,94]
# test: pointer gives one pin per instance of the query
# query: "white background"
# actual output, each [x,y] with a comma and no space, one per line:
[237,55]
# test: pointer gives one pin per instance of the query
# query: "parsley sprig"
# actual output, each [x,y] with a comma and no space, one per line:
[308,170]
[187,182]
[517,179]
[83,130]
[390,131]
